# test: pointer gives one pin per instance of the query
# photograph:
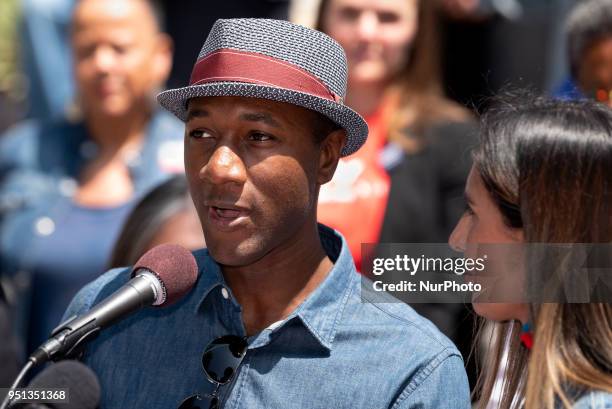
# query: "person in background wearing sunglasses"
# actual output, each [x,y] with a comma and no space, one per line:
[277,318]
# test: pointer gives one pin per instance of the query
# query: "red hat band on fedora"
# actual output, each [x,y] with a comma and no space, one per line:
[253,68]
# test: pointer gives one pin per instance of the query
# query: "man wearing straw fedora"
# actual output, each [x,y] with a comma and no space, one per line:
[277,318]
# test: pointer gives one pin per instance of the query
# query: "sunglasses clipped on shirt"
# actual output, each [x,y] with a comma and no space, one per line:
[220,360]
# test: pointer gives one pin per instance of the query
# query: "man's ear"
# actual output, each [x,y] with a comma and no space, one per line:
[331,147]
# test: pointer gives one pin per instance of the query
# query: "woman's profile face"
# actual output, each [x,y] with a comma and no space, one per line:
[375,34]
[482,229]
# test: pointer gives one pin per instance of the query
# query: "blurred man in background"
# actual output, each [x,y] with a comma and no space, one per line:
[589,38]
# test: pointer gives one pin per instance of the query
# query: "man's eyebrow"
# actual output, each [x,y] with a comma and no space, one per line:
[250,116]
[261,117]
[196,113]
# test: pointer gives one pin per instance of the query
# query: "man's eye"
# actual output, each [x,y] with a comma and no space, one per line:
[199,134]
[120,49]
[259,137]
[84,52]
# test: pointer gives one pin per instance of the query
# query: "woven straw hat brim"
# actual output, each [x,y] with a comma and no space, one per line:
[175,101]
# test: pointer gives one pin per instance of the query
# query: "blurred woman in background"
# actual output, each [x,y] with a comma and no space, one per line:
[165,215]
[405,185]
[542,175]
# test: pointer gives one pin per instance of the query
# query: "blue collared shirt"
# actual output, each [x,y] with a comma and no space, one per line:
[336,350]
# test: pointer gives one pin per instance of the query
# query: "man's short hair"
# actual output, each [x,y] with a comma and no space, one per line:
[589,22]
[322,126]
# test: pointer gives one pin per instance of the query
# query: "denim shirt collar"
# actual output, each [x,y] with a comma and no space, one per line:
[319,313]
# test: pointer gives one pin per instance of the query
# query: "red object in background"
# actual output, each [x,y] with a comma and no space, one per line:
[354,201]
[527,336]
[602,95]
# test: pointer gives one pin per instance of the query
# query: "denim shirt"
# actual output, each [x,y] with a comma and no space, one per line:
[335,350]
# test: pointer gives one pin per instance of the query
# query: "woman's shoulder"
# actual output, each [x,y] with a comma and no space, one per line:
[594,400]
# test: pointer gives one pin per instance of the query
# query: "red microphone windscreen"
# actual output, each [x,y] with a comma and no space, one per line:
[174,266]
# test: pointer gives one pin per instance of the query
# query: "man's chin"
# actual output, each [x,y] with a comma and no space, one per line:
[233,255]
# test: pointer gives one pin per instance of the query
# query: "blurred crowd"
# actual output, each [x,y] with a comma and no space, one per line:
[91,169]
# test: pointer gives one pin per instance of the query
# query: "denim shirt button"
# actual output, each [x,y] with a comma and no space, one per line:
[224,293]
[44,226]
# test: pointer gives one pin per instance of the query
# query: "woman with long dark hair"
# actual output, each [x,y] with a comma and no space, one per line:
[543,174]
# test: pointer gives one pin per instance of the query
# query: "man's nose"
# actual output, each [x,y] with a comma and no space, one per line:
[458,238]
[224,166]
[104,59]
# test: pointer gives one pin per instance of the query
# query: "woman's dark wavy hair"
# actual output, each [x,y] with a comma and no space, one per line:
[547,165]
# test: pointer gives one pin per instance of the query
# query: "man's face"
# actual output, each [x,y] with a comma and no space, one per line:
[120,57]
[254,171]
[595,73]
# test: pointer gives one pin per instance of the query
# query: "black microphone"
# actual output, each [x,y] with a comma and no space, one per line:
[160,277]
[81,384]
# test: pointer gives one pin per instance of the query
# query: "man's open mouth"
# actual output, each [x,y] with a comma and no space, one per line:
[226,213]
